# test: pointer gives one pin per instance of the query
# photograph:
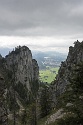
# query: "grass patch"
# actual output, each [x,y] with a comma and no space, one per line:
[48,75]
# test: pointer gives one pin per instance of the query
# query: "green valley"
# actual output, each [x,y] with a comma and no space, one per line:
[48,74]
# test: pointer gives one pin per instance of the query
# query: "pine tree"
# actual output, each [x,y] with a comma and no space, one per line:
[45,102]
[24,118]
[31,111]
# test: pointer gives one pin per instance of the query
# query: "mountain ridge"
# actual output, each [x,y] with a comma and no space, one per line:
[59,103]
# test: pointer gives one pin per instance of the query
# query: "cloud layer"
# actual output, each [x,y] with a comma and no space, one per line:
[40,24]
[43,43]
[41,17]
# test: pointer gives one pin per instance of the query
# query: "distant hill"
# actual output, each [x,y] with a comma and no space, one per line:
[5,51]
[49,58]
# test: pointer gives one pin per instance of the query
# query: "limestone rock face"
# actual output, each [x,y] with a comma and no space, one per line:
[35,70]
[26,69]
[20,80]
[75,56]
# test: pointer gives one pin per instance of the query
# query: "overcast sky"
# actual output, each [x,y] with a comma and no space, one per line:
[41,24]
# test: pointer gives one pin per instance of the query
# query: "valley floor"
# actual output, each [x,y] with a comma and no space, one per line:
[48,74]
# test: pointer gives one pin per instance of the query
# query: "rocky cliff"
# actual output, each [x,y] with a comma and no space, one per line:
[75,57]
[26,69]
[67,90]
[19,84]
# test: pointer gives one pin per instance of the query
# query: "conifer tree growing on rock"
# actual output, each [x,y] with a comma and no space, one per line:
[45,102]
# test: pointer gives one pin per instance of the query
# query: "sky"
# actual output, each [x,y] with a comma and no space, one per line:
[42,25]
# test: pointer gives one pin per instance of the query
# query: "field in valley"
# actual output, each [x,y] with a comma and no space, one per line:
[48,74]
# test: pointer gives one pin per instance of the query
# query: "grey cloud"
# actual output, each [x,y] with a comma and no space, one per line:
[41,17]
